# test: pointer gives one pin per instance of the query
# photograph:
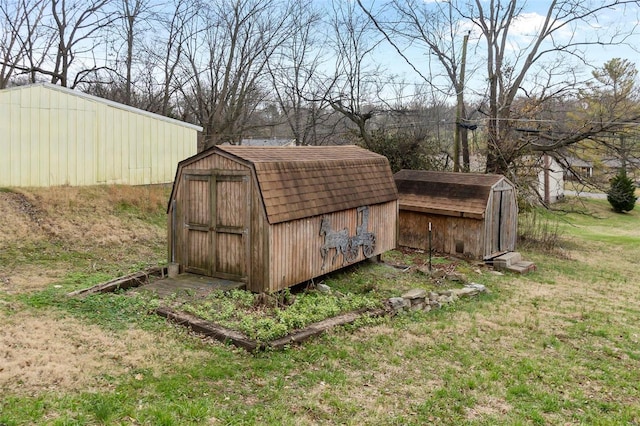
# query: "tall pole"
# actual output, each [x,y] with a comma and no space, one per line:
[460,107]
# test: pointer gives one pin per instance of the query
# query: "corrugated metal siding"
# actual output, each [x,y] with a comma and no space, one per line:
[59,137]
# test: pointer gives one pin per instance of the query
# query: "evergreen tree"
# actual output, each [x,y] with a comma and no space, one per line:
[621,195]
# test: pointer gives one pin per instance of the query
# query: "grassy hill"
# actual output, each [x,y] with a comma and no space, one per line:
[558,346]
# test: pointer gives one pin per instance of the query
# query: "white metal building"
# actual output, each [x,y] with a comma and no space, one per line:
[51,135]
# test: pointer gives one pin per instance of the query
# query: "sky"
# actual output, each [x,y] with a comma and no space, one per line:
[609,21]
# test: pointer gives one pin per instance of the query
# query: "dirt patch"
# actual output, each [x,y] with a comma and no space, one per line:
[48,351]
[20,218]
[48,232]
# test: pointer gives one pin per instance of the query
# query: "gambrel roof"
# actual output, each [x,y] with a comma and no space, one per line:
[303,181]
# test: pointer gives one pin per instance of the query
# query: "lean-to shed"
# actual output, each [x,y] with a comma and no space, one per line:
[274,217]
[473,215]
[51,135]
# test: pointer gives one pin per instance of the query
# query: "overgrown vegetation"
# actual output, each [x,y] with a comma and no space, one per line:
[539,229]
[268,317]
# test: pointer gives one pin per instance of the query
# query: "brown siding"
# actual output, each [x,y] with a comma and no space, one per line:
[295,246]
[259,254]
[446,232]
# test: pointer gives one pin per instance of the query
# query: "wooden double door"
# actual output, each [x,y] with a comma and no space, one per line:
[217,216]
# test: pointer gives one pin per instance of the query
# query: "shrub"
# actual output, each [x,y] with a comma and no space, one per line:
[621,195]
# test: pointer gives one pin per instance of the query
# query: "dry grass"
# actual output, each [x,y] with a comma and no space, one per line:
[47,232]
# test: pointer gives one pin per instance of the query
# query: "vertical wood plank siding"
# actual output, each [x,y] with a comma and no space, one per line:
[474,215]
[446,232]
[295,246]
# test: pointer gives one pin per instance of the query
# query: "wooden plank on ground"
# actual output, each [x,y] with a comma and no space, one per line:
[322,326]
[132,280]
[224,334]
[208,329]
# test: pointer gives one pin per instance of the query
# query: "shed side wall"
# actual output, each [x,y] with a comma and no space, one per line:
[295,254]
[446,232]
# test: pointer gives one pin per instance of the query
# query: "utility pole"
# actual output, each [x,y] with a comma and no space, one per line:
[460,113]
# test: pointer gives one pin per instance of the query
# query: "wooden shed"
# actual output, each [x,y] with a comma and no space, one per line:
[473,215]
[274,217]
[52,135]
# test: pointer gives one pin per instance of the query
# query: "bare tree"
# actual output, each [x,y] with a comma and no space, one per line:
[77,25]
[133,14]
[353,88]
[435,30]
[226,63]
[513,69]
[21,39]
[293,69]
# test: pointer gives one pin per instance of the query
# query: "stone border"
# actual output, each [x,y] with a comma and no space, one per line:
[421,300]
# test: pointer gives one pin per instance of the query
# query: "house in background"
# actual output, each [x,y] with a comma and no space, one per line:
[550,179]
[576,168]
[52,135]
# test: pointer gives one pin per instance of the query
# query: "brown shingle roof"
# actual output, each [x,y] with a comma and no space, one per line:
[303,181]
[451,194]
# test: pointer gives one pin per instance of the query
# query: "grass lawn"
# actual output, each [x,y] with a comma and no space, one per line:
[558,346]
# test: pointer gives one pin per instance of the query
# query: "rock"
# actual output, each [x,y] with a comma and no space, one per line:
[398,303]
[445,293]
[465,292]
[323,288]
[435,304]
[416,293]
[427,307]
[456,277]
[433,295]
[417,306]
[444,300]
[498,273]
[480,287]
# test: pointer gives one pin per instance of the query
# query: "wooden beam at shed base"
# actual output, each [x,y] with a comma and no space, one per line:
[128,281]
[208,328]
[238,339]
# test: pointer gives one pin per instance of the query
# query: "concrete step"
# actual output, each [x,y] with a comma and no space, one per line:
[506,260]
[522,267]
